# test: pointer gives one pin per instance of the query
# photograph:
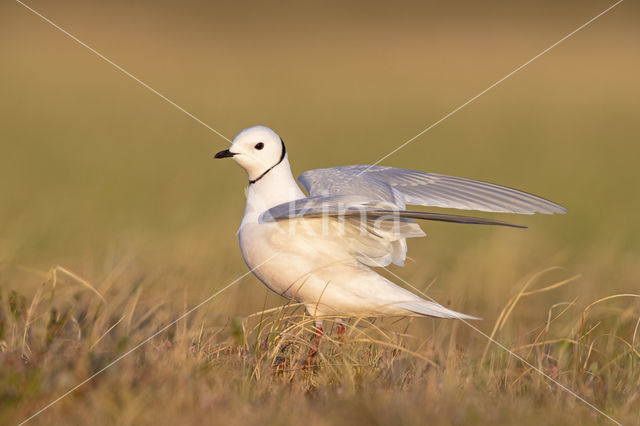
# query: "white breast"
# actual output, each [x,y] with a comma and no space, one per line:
[298,261]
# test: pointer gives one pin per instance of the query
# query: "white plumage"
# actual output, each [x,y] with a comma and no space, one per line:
[319,250]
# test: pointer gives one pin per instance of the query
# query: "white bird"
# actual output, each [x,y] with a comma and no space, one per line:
[319,250]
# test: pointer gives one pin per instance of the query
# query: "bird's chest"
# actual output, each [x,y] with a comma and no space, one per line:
[257,243]
[284,253]
[262,250]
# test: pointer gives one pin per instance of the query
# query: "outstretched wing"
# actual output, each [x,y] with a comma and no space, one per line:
[374,231]
[401,186]
[344,206]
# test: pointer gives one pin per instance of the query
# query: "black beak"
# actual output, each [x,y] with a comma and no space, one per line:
[225,154]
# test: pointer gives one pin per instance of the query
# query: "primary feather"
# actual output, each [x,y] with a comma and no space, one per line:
[425,189]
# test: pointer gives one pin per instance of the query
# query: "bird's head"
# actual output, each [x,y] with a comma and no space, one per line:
[256,149]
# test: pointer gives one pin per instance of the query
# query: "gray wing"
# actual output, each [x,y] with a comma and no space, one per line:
[401,186]
[363,209]
[374,231]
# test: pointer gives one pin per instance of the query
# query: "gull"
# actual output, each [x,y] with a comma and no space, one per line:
[320,249]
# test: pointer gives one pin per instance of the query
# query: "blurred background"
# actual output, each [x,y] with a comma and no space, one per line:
[104,178]
[94,168]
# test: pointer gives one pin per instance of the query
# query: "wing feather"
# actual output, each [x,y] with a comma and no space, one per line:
[374,231]
[425,189]
[318,207]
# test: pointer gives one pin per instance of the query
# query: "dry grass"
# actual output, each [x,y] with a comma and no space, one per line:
[243,370]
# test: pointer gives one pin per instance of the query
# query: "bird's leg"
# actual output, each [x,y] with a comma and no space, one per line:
[315,342]
[341,329]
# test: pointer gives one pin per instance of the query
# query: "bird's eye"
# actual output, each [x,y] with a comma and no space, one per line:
[259,145]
